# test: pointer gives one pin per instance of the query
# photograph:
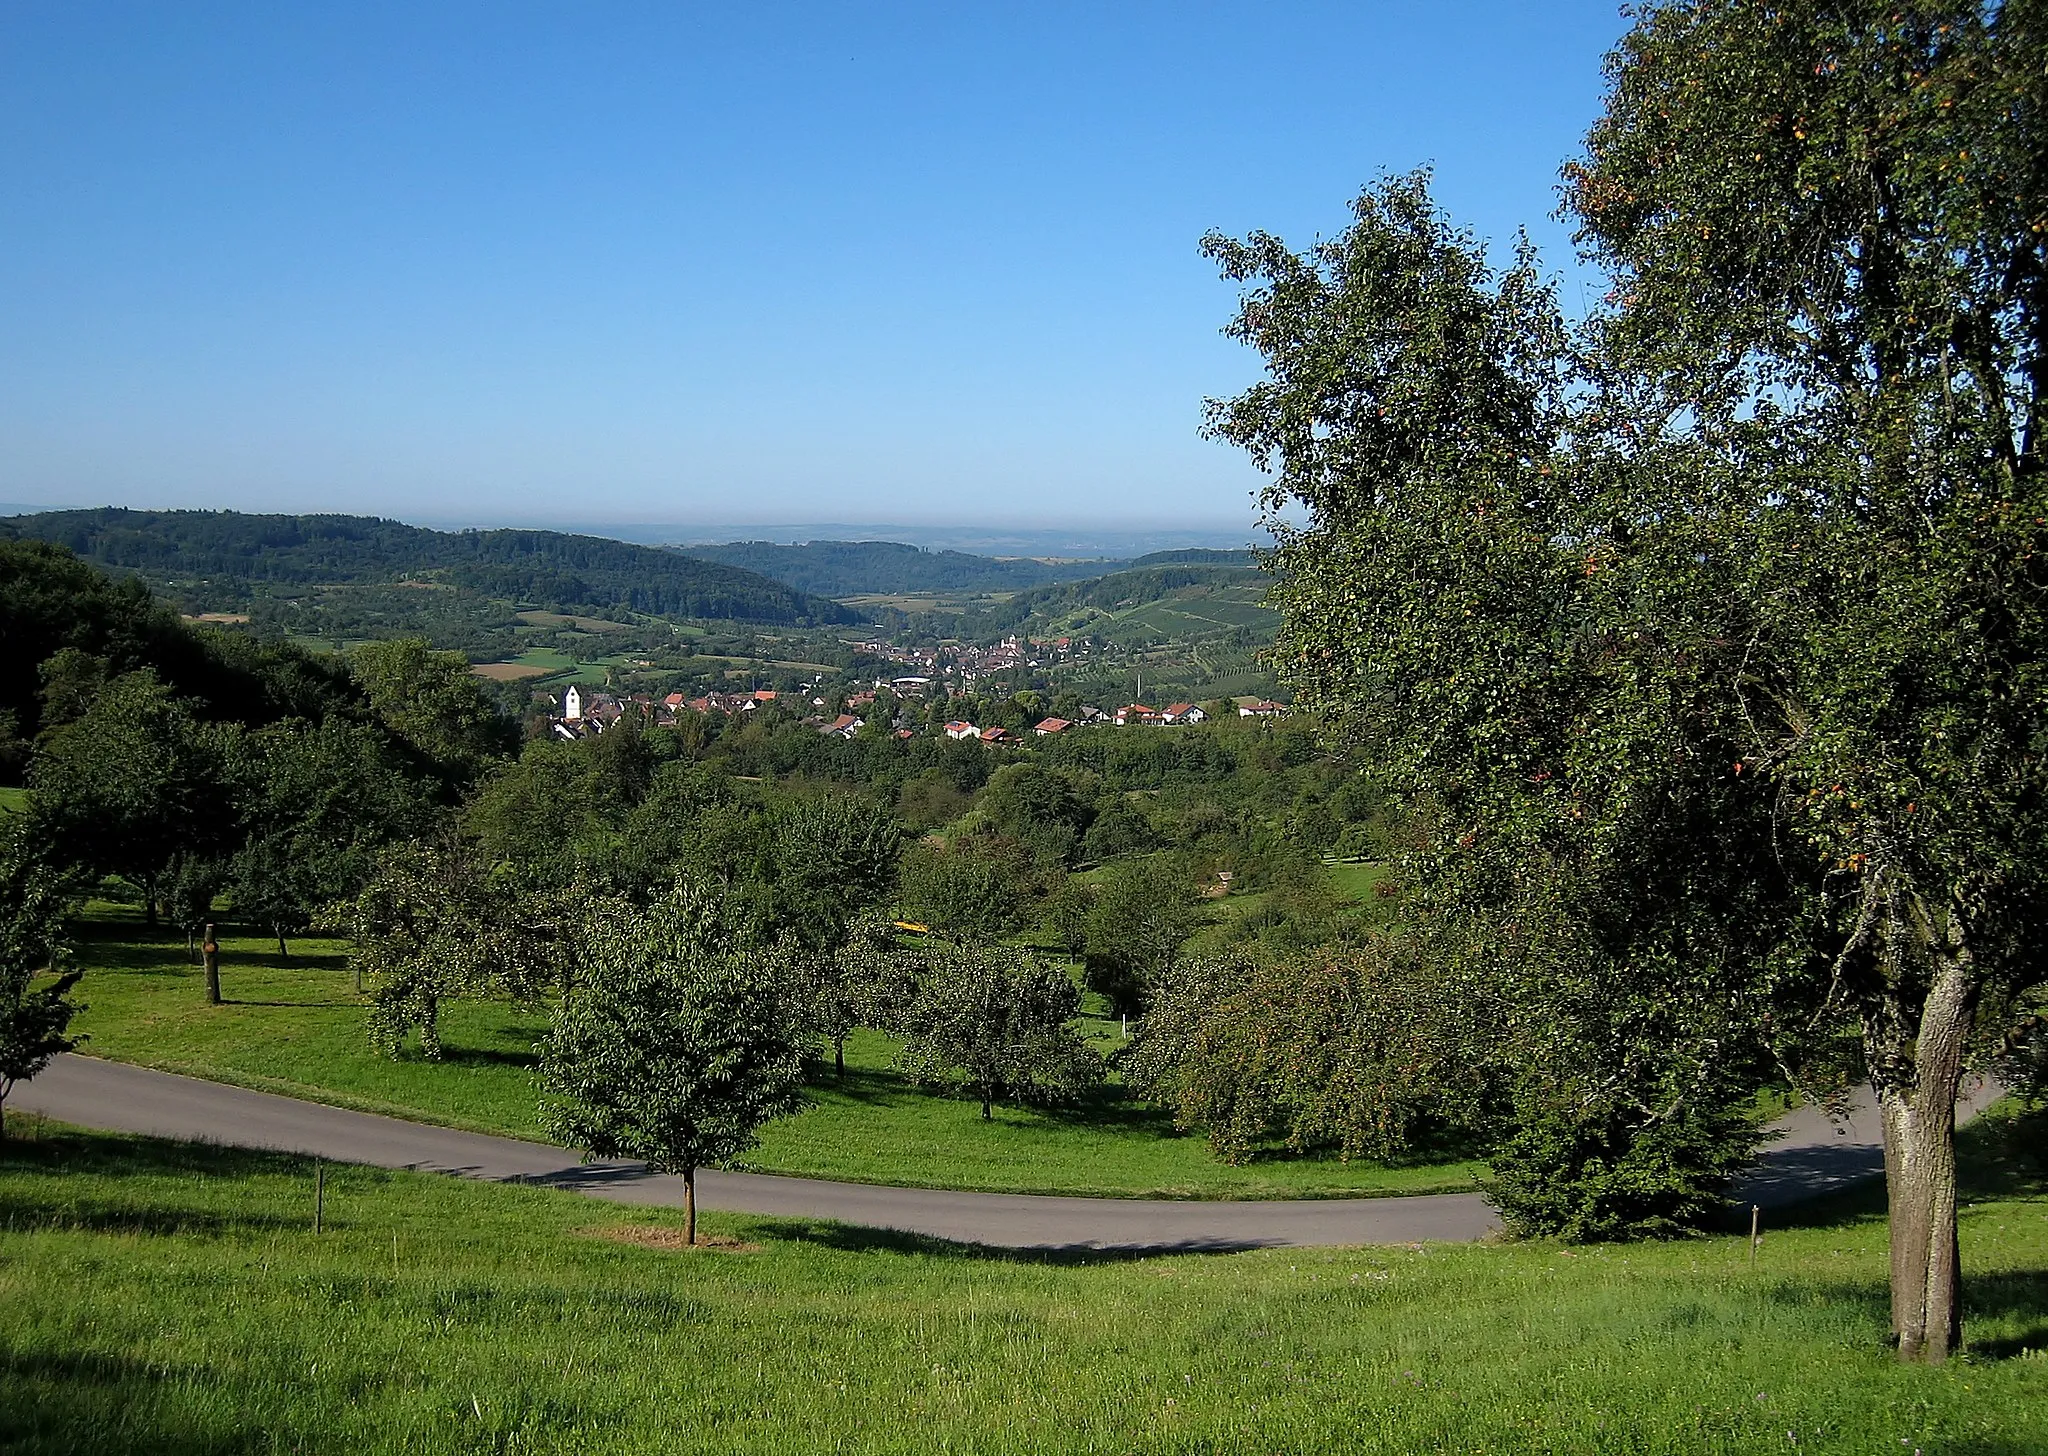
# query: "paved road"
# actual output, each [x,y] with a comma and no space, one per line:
[1814,1156]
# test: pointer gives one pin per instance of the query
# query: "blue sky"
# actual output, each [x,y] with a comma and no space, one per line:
[663,263]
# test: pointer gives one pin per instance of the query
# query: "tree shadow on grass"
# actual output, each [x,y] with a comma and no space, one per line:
[81,1401]
[466,1056]
[341,1005]
[26,1207]
[2004,1154]
[855,1238]
[2020,1296]
[57,1150]
[2009,1297]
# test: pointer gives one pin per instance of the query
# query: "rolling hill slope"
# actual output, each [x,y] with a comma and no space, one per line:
[1188,602]
[214,559]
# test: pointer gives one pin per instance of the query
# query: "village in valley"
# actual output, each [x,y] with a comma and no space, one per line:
[1066,730]
[889,706]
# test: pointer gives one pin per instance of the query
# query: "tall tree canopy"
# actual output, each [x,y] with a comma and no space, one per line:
[1828,229]
[1582,859]
[1707,644]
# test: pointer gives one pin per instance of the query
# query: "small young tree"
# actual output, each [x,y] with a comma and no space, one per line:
[277,883]
[979,885]
[675,1049]
[994,1021]
[849,986]
[1367,1050]
[33,1019]
[834,857]
[1067,913]
[191,885]
[431,926]
[1144,910]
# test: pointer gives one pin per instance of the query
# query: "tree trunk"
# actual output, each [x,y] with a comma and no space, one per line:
[210,955]
[690,1206]
[283,951]
[1917,1084]
[985,1100]
[430,1027]
[149,902]
[839,1056]
[191,946]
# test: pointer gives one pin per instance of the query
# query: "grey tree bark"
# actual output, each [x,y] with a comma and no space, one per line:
[1918,1073]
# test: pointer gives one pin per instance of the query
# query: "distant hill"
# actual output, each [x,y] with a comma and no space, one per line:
[860,568]
[1197,556]
[208,552]
[1171,602]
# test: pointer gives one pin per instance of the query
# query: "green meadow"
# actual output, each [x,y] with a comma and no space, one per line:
[174,1298]
[296,1027]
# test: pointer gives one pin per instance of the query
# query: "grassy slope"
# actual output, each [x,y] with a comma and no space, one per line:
[299,1030]
[165,1297]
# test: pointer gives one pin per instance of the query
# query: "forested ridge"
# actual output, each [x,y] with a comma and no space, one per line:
[229,551]
[857,568]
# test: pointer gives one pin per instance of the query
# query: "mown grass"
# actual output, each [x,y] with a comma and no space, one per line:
[296,1027]
[1357,880]
[172,1298]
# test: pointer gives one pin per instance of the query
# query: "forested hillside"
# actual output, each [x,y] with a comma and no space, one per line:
[1196,556]
[218,560]
[855,568]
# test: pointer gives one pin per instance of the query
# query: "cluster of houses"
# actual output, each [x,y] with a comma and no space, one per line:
[584,714]
[964,666]
[1131,713]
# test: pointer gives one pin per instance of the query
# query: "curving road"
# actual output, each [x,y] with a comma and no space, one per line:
[1813,1155]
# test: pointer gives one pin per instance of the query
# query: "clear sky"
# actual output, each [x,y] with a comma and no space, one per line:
[501,262]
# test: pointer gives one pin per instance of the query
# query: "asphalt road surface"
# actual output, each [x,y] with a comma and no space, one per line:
[1814,1155]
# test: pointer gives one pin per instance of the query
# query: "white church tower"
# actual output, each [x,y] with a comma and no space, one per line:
[572,704]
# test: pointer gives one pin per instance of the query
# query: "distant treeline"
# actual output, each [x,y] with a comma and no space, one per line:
[207,551]
[854,568]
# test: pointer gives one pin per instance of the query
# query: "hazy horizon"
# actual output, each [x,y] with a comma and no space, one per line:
[994,538]
[786,262]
